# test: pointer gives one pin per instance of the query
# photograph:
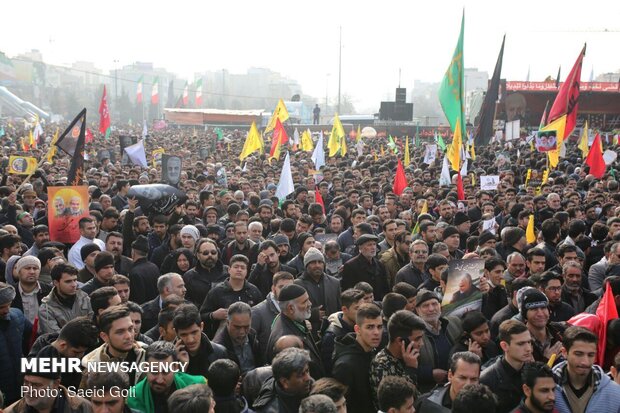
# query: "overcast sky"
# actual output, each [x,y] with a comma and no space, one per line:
[300,39]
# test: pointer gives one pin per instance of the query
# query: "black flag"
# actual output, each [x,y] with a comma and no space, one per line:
[557,79]
[72,143]
[484,131]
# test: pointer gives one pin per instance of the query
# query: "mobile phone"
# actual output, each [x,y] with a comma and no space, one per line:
[406,341]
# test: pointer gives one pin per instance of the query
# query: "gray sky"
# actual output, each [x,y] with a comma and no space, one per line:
[300,39]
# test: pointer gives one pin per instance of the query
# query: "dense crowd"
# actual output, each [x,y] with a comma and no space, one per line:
[327,301]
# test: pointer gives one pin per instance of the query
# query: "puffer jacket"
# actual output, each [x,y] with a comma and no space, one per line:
[53,315]
[605,398]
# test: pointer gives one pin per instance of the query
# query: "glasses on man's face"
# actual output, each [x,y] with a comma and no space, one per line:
[212,252]
[408,242]
[420,252]
[554,289]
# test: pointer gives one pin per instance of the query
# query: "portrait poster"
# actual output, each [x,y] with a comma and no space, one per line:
[171,167]
[489,182]
[546,141]
[125,141]
[157,155]
[462,289]
[22,165]
[66,206]
[430,154]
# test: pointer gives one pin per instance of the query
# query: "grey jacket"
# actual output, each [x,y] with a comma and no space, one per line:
[263,315]
[596,276]
[53,315]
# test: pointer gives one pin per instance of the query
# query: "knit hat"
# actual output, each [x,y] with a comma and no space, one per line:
[291,292]
[300,190]
[364,238]
[531,298]
[449,231]
[103,259]
[141,244]
[460,218]
[88,249]
[485,236]
[313,254]
[281,239]
[23,262]
[425,295]
[512,235]
[191,230]
[301,238]
[7,293]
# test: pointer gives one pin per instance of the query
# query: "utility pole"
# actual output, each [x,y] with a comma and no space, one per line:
[339,68]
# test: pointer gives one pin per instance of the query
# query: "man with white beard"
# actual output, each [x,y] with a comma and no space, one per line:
[440,335]
[295,307]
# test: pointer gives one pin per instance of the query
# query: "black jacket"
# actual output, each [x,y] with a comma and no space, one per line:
[199,281]
[411,275]
[224,339]
[150,314]
[143,281]
[273,399]
[560,312]
[493,301]
[336,329]
[222,296]
[160,253]
[352,368]
[505,382]
[207,354]
[360,269]
[44,290]
[262,278]
[504,314]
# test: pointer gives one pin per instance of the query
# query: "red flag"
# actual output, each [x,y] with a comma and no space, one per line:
[605,311]
[460,192]
[567,100]
[104,114]
[400,181]
[319,197]
[279,137]
[595,158]
[89,136]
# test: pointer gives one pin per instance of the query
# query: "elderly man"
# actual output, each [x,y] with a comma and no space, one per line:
[515,267]
[366,267]
[414,273]
[167,284]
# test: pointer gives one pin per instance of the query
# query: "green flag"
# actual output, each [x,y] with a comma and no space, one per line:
[392,145]
[416,142]
[451,92]
[220,134]
[439,141]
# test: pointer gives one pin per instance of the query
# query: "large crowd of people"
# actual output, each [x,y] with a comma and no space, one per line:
[327,301]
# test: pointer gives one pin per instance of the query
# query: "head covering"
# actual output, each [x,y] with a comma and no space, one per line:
[425,295]
[272,187]
[23,262]
[291,292]
[485,236]
[103,259]
[512,235]
[281,239]
[88,249]
[7,293]
[364,238]
[191,230]
[8,273]
[460,218]
[313,254]
[141,244]
[531,298]
[449,231]
[303,237]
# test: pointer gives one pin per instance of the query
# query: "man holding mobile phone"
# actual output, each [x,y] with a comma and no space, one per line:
[400,357]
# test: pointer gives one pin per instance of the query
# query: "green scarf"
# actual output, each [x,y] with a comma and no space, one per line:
[143,399]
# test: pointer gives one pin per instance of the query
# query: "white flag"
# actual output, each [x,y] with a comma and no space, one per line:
[145,131]
[444,179]
[318,156]
[296,137]
[430,154]
[136,153]
[464,168]
[285,184]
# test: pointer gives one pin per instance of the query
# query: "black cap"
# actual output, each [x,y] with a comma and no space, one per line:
[364,238]
[103,259]
[291,292]
[141,244]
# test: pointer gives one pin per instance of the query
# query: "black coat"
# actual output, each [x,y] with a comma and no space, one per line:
[207,354]
[505,382]
[262,278]
[411,275]
[150,314]
[352,368]
[199,281]
[143,281]
[493,301]
[224,339]
[360,269]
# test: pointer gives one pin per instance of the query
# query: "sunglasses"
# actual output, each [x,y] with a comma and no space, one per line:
[212,252]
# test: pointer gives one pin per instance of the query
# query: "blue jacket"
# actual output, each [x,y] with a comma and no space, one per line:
[15,332]
[605,398]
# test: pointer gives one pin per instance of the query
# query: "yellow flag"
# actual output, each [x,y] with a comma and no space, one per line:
[382,151]
[22,165]
[343,145]
[306,141]
[472,151]
[262,143]
[473,178]
[31,140]
[583,142]
[424,209]
[359,134]
[280,112]
[52,150]
[335,139]
[557,125]
[157,154]
[407,159]
[376,157]
[252,143]
[530,234]
[528,176]
[454,151]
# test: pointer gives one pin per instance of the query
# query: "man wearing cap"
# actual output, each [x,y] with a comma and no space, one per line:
[144,274]
[54,398]
[283,248]
[267,265]
[295,309]
[104,271]
[41,235]
[306,241]
[30,291]
[15,330]
[513,240]
[323,289]
[452,238]
[462,222]
[88,254]
[189,236]
[440,335]
[88,232]
[365,267]
[546,335]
